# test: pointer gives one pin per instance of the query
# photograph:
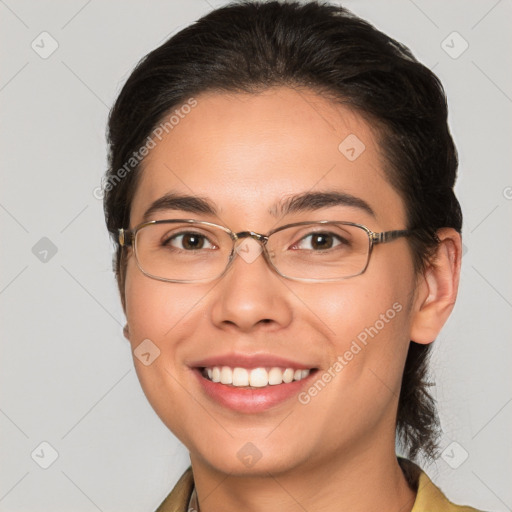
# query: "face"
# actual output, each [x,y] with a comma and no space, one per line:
[246,154]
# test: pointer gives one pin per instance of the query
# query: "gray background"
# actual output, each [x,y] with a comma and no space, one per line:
[67,377]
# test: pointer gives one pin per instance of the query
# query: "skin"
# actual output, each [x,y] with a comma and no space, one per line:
[245,153]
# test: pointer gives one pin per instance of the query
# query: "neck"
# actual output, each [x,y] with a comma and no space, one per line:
[368,481]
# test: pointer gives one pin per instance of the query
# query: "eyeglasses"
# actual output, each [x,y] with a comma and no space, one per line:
[191,251]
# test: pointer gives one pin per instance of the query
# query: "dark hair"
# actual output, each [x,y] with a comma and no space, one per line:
[250,46]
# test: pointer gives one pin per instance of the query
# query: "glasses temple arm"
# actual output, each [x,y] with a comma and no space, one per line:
[389,236]
[125,236]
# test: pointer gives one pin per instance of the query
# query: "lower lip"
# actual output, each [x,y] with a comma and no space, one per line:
[251,400]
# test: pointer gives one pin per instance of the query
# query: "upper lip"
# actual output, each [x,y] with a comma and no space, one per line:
[250,361]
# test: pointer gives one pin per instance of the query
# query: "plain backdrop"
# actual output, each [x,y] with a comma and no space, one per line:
[67,377]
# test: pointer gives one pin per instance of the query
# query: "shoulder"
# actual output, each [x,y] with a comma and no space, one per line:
[429,497]
[178,499]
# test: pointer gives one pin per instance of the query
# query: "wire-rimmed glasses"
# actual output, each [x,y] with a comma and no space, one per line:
[190,251]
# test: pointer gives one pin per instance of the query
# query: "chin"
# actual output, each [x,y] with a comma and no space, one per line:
[248,462]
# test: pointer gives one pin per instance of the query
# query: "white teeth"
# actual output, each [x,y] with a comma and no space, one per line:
[258,378]
[288,375]
[275,376]
[216,374]
[240,377]
[226,375]
[254,377]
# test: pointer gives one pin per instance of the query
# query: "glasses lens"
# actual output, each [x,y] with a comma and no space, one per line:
[320,251]
[182,251]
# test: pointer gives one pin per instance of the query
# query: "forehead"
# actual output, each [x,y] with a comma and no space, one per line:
[249,153]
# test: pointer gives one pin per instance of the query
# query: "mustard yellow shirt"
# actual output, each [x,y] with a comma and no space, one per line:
[429,498]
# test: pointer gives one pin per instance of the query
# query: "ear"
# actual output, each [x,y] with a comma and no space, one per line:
[437,288]
[126,332]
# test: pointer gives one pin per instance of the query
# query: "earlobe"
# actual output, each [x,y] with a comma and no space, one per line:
[437,288]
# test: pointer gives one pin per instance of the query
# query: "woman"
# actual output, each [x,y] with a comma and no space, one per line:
[280,190]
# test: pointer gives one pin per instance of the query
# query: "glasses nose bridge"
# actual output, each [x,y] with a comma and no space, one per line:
[263,239]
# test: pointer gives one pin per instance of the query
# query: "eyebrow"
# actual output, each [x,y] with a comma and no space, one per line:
[306,202]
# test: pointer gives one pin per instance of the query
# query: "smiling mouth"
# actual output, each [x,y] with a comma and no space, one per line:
[254,378]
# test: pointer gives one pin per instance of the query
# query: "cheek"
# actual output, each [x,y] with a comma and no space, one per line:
[159,312]
[367,321]
[351,311]
[155,309]
[160,317]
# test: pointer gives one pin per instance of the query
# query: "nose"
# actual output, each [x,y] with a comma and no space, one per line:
[250,295]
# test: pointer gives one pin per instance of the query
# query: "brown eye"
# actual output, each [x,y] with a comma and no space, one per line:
[188,241]
[320,241]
